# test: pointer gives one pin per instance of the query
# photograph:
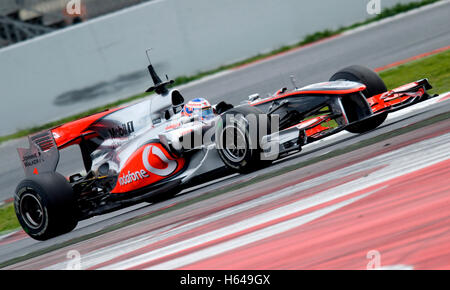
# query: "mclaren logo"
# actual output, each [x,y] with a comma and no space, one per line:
[154,150]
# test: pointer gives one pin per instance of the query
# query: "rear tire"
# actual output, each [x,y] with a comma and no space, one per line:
[45,206]
[375,86]
[238,151]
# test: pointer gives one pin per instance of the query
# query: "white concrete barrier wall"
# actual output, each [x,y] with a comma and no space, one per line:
[103,60]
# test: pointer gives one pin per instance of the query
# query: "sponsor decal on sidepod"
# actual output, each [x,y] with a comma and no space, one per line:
[156,166]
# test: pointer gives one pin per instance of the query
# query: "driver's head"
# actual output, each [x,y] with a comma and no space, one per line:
[199,107]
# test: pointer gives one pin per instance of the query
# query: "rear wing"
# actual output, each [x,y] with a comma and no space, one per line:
[42,156]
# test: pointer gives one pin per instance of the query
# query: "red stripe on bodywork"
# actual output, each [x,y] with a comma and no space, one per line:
[69,134]
[311,92]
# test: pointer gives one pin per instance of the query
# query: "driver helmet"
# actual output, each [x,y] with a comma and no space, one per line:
[198,107]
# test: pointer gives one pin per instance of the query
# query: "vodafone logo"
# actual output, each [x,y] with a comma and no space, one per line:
[132,177]
[154,150]
[147,166]
[151,155]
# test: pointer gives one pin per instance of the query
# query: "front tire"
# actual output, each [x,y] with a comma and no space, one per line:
[238,146]
[375,86]
[45,206]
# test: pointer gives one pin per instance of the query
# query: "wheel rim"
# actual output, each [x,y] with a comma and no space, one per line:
[32,211]
[235,147]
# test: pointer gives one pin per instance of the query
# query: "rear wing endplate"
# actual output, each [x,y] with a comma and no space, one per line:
[42,156]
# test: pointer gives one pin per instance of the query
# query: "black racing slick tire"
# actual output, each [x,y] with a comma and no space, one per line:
[45,206]
[375,86]
[238,139]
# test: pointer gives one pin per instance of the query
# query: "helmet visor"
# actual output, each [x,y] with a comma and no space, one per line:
[207,113]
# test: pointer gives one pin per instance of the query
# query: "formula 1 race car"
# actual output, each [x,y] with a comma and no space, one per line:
[150,151]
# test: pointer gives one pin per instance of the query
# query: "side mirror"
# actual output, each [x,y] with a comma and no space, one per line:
[177,98]
[167,115]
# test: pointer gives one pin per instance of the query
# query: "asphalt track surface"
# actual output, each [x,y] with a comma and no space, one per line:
[378,46]
[388,199]
[375,47]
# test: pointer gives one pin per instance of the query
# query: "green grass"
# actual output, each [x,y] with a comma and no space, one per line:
[436,68]
[387,12]
[8,220]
